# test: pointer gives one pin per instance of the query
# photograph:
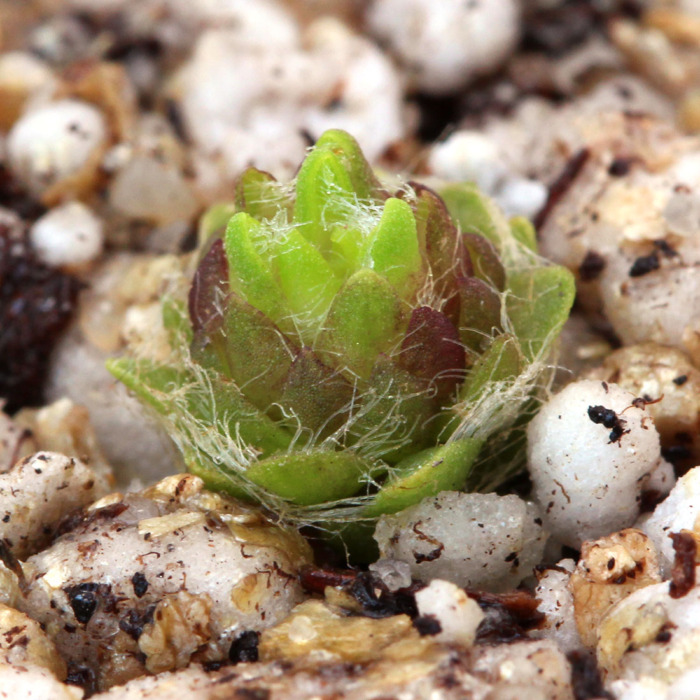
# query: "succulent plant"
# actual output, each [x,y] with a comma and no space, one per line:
[345,352]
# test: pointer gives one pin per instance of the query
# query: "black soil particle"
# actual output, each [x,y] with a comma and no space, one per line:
[10,561]
[85,597]
[591,267]
[36,304]
[427,625]
[15,198]
[140,584]
[369,591]
[83,600]
[555,31]
[585,677]
[508,615]
[620,167]
[437,115]
[377,600]
[645,264]
[244,647]
[134,621]
[609,419]
[83,677]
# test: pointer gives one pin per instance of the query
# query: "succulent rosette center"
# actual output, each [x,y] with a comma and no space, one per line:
[346,351]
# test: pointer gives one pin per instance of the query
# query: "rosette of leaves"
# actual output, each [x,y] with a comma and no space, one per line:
[346,352]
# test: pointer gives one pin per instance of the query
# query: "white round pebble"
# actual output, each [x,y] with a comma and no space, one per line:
[261,23]
[476,540]
[521,197]
[54,141]
[458,614]
[68,235]
[24,73]
[258,114]
[475,157]
[557,604]
[152,190]
[468,155]
[445,45]
[587,481]
[650,666]
[679,511]
[662,479]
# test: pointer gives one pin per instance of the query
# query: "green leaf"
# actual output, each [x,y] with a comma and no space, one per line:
[315,394]
[191,404]
[524,232]
[347,245]
[363,180]
[223,405]
[392,249]
[176,322]
[216,477]
[500,362]
[425,474]
[151,383]
[250,275]
[308,478]
[393,411]
[432,351]
[307,280]
[213,222]
[366,319]
[258,355]
[324,197]
[471,210]
[538,304]
[260,195]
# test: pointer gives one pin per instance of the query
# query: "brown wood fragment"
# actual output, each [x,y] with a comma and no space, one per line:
[683,572]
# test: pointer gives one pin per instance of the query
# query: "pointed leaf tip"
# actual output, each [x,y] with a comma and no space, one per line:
[393,250]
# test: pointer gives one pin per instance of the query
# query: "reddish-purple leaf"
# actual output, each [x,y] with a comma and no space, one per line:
[485,262]
[446,255]
[209,290]
[432,350]
[479,313]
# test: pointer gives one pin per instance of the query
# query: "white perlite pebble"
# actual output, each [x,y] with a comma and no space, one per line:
[588,477]
[678,512]
[473,156]
[68,235]
[662,479]
[393,573]
[521,197]
[31,682]
[24,70]
[638,662]
[259,113]
[557,604]
[474,540]
[468,155]
[459,616]
[55,141]
[22,77]
[445,45]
